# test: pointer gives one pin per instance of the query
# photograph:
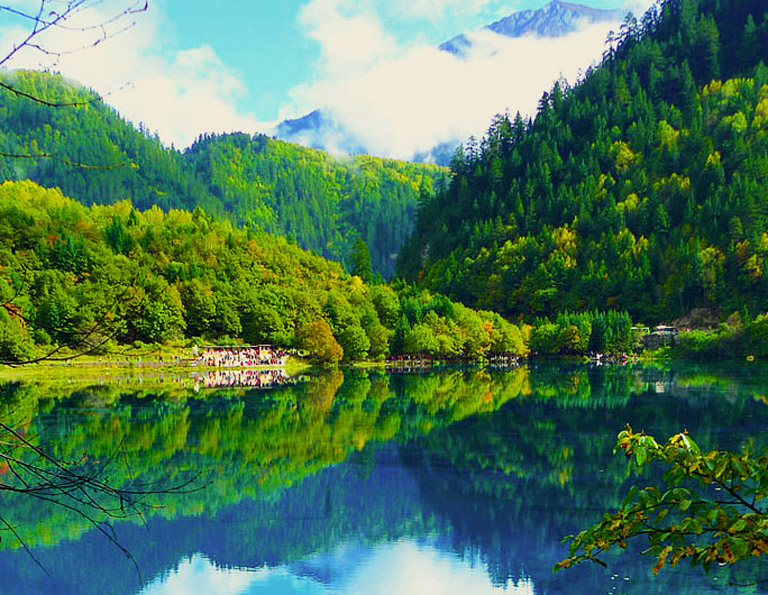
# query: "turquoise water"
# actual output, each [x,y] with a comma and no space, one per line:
[456,481]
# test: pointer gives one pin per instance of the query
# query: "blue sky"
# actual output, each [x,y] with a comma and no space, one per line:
[187,67]
[266,42]
[263,40]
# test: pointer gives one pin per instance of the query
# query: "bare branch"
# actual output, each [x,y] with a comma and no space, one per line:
[45,20]
[85,492]
[24,545]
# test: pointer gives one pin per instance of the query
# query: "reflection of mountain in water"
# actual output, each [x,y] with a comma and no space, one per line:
[512,484]
[374,503]
[495,468]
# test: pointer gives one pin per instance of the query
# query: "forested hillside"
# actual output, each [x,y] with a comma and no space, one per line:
[642,188]
[108,275]
[323,203]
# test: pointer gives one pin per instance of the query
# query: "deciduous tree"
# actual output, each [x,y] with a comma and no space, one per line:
[711,508]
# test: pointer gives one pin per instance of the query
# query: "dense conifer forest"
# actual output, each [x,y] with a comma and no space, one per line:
[641,188]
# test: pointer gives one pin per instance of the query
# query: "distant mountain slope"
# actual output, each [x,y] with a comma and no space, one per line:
[320,130]
[555,19]
[641,188]
[323,203]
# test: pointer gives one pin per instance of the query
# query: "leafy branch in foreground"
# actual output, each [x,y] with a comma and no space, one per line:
[713,508]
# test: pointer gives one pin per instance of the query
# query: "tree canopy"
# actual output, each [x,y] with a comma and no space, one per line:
[639,188]
[99,275]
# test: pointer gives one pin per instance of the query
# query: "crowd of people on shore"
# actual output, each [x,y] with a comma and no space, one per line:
[241,357]
[210,357]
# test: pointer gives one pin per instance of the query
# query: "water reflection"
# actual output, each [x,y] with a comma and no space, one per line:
[422,567]
[475,475]
[240,378]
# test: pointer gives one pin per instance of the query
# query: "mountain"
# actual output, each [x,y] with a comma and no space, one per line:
[319,124]
[641,188]
[322,202]
[555,19]
[318,130]
[321,130]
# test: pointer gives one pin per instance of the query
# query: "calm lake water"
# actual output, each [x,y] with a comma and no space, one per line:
[454,481]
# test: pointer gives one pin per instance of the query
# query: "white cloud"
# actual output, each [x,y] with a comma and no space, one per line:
[198,575]
[406,567]
[397,97]
[409,101]
[177,93]
[425,569]
[349,42]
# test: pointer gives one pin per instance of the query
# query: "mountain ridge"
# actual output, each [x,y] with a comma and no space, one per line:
[555,19]
[322,202]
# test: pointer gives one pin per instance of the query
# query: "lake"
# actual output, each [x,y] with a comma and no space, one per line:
[446,481]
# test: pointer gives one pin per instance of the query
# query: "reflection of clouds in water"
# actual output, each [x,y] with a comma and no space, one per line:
[405,568]
[410,568]
[198,575]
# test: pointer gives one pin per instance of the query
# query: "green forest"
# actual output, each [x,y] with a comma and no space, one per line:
[635,194]
[323,203]
[641,188]
[111,274]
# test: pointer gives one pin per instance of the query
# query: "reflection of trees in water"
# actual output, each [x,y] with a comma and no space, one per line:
[529,463]
[340,503]
[246,443]
[511,485]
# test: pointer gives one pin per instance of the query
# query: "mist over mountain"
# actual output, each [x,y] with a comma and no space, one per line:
[555,19]
[329,128]
[318,130]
